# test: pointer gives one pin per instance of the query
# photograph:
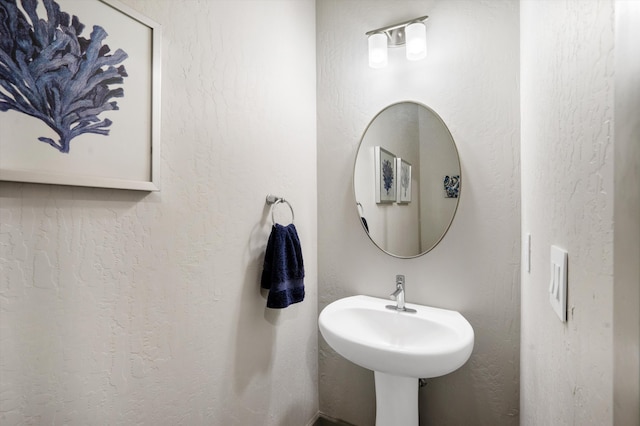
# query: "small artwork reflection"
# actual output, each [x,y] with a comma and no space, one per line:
[385,167]
[452,186]
[404,181]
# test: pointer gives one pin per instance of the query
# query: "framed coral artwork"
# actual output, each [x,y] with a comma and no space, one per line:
[385,175]
[451,186]
[79,94]
[404,181]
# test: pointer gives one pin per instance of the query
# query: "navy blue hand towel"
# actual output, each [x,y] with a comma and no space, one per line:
[283,272]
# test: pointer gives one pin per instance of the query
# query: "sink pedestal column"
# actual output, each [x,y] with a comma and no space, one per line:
[396,400]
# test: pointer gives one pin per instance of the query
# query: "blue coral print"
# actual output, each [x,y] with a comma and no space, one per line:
[387,175]
[452,186]
[50,72]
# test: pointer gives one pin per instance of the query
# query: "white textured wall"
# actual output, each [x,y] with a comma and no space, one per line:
[470,78]
[567,72]
[121,307]
[626,303]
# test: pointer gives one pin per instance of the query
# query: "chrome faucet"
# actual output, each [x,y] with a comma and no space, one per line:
[398,296]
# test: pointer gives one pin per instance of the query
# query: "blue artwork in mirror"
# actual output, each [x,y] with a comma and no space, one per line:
[452,186]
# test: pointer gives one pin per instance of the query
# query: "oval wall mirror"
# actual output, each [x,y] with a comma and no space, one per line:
[406,179]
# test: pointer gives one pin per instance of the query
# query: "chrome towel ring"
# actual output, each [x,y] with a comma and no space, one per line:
[273,201]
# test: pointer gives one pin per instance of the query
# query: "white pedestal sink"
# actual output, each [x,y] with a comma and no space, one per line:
[400,347]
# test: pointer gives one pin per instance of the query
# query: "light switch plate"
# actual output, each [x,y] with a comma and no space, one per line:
[558,282]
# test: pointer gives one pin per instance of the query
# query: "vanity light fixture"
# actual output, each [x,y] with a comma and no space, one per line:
[412,34]
[378,54]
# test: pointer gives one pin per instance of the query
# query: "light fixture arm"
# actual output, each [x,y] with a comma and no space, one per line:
[396,33]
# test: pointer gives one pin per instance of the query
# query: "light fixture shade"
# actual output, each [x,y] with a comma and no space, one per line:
[378,56]
[416,36]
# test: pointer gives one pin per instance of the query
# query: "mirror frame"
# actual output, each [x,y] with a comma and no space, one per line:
[353,183]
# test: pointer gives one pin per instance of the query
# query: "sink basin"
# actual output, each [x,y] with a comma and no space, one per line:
[429,343]
[398,346]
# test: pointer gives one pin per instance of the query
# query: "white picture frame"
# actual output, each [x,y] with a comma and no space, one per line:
[403,181]
[126,155]
[385,175]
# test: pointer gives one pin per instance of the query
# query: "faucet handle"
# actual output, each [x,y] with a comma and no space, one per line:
[400,280]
